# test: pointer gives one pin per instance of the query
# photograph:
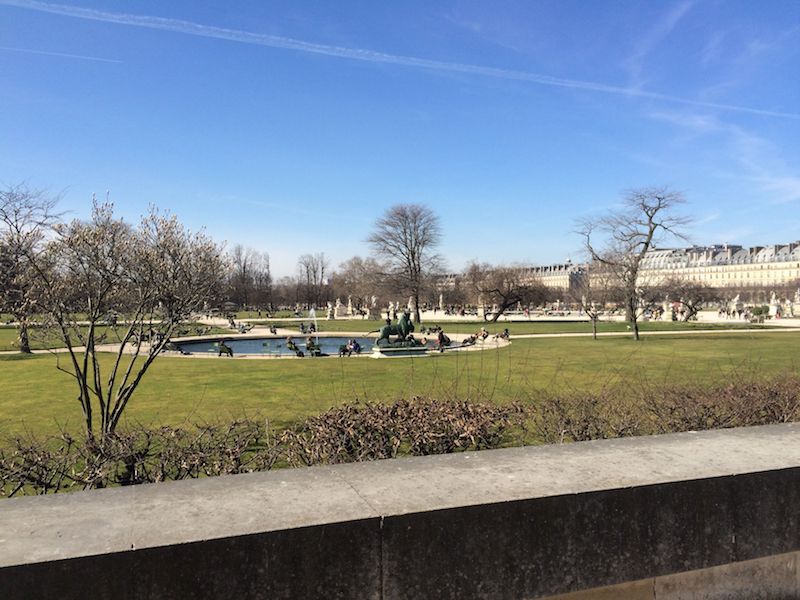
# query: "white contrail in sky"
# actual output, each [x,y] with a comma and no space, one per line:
[274,41]
[59,54]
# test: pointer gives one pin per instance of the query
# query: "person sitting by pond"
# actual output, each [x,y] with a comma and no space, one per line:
[273,330]
[312,348]
[442,340]
[291,345]
[502,336]
[482,334]
[312,328]
[302,327]
[469,341]
[224,349]
[350,347]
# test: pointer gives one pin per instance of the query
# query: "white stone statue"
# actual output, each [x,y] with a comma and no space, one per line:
[340,309]
[736,304]
[774,306]
[349,306]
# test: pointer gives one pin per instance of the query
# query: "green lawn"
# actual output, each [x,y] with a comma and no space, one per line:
[522,327]
[8,334]
[35,396]
[38,341]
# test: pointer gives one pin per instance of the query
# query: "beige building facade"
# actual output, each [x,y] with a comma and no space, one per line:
[724,266]
[719,266]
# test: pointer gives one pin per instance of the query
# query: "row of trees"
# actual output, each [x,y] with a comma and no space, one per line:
[104,280]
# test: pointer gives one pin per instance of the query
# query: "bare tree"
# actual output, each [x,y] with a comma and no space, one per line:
[250,280]
[103,281]
[406,237]
[593,291]
[26,215]
[691,295]
[359,278]
[628,234]
[312,269]
[505,286]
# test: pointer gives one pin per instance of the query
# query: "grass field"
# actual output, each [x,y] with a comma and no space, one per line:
[524,327]
[8,334]
[8,337]
[36,397]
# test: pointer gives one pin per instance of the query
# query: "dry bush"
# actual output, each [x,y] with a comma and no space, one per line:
[367,431]
[739,403]
[580,417]
[420,426]
[30,465]
[137,455]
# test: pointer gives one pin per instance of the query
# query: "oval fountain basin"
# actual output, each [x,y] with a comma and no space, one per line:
[273,346]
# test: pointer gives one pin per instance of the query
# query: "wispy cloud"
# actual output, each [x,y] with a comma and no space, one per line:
[653,37]
[706,219]
[273,41]
[757,159]
[60,54]
[713,48]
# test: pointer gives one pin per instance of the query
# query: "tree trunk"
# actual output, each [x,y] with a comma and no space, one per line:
[22,333]
[632,306]
[594,327]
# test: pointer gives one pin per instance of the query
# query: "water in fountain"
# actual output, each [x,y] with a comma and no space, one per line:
[312,314]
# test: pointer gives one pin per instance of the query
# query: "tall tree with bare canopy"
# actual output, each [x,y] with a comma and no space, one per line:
[619,240]
[26,215]
[406,237]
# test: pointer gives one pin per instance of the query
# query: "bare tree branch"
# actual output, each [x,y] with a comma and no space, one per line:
[619,241]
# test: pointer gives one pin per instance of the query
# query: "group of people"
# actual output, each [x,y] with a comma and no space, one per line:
[350,347]
[310,329]
[312,348]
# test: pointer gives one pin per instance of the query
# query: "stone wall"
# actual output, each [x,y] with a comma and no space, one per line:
[679,516]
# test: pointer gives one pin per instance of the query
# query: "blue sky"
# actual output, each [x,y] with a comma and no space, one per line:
[291,126]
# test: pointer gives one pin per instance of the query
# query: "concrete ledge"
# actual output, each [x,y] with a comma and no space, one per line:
[770,578]
[517,523]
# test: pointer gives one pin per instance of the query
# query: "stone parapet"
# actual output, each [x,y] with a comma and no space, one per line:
[517,523]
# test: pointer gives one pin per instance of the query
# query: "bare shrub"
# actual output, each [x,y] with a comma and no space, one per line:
[580,417]
[368,431]
[739,403]
[420,426]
